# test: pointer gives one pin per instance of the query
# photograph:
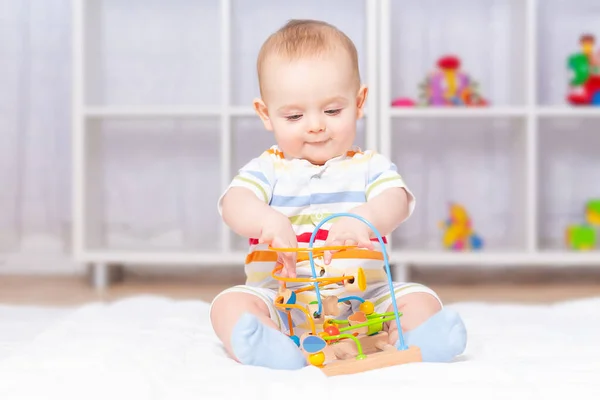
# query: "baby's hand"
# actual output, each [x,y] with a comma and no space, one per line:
[347,231]
[277,231]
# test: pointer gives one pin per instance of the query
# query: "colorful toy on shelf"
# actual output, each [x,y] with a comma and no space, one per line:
[403,102]
[592,212]
[447,86]
[343,346]
[459,234]
[580,237]
[584,236]
[585,66]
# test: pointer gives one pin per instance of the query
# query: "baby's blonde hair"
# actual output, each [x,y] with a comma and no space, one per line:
[306,37]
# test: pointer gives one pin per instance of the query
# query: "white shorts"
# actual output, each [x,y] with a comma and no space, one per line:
[377,293]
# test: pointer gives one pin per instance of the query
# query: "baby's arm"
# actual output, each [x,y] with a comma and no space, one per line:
[245,213]
[245,209]
[389,201]
[386,210]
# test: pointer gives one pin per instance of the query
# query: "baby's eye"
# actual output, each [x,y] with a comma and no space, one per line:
[293,117]
[333,112]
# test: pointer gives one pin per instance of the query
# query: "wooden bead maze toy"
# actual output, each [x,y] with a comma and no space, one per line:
[344,346]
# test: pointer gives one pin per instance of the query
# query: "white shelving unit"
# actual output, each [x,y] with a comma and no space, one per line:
[206,107]
[503,162]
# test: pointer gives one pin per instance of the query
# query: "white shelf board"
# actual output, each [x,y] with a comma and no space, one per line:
[152,258]
[241,111]
[436,258]
[246,111]
[569,112]
[461,112]
[548,259]
[151,112]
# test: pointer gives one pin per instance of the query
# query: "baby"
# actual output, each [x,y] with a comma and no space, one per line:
[311,99]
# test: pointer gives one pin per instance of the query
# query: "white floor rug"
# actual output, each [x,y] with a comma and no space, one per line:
[155,348]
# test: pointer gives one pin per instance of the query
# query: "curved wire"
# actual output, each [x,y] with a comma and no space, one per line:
[402,346]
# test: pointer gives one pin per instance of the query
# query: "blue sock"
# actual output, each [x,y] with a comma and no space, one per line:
[254,343]
[441,338]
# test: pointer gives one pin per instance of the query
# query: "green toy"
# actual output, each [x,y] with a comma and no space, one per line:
[580,237]
[580,66]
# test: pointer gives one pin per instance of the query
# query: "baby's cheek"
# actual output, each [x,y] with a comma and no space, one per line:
[289,142]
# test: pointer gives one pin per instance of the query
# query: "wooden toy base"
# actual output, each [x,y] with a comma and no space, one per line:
[340,358]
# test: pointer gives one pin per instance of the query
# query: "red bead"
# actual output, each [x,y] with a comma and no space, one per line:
[332,330]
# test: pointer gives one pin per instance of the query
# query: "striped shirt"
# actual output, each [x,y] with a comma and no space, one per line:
[308,193]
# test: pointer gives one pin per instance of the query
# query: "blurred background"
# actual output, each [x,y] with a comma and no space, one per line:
[121,122]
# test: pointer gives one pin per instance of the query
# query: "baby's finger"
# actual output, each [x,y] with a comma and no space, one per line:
[365,243]
[265,238]
[289,260]
[283,272]
[328,255]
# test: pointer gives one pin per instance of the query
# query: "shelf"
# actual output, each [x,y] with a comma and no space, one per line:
[164,119]
[560,25]
[444,112]
[152,258]
[488,36]
[552,259]
[151,54]
[241,111]
[568,112]
[452,161]
[236,259]
[396,112]
[569,175]
[152,112]
[145,181]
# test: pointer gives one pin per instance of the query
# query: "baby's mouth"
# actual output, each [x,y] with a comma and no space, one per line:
[320,142]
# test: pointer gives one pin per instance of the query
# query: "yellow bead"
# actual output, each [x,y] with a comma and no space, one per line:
[328,323]
[317,359]
[367,307]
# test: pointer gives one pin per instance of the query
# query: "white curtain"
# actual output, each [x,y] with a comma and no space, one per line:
[34,133]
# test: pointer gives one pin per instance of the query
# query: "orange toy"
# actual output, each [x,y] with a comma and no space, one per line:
[343,346]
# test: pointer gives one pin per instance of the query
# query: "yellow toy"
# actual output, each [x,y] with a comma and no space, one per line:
[343,346]
[592,212]
[459,234]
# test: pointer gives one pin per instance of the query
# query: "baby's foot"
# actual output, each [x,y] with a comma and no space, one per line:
[254,343]
[442,337]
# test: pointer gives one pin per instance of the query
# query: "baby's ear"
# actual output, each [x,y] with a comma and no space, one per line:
[263,113]
[361,97]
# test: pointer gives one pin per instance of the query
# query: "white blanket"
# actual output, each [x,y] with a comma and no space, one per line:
[155,348]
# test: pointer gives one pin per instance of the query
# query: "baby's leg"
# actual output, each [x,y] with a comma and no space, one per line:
[244,324]
[416,308]
[439,332]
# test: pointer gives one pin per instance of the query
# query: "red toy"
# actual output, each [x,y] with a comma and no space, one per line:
[585,66]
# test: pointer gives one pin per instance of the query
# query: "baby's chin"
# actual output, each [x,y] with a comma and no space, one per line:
[321,157]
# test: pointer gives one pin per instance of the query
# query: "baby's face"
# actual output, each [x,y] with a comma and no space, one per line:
[312,105]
